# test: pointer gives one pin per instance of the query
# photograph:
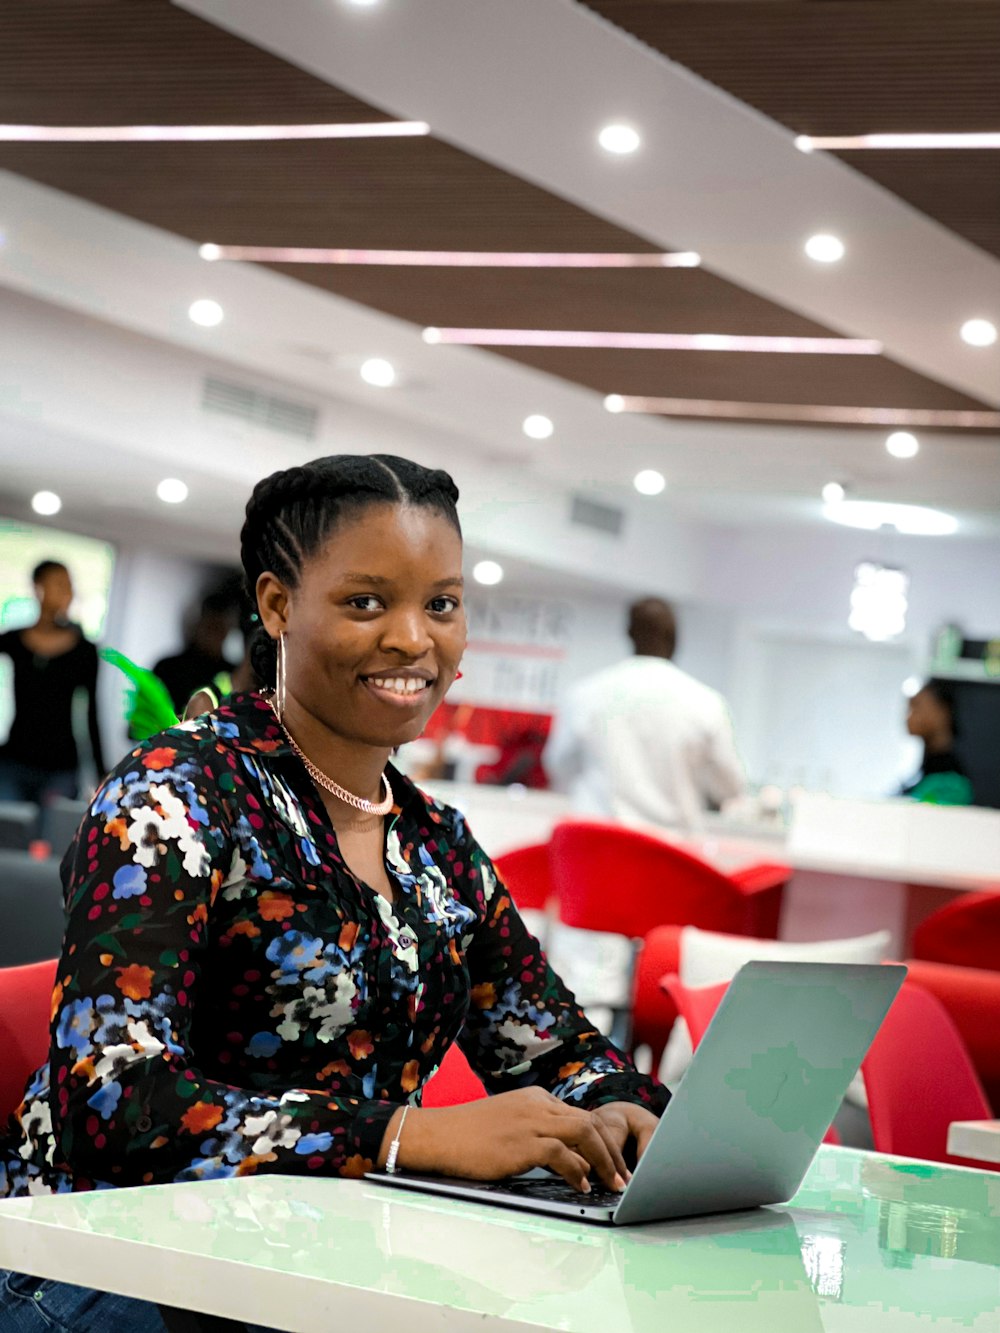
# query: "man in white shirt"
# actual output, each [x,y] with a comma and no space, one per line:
[642,741]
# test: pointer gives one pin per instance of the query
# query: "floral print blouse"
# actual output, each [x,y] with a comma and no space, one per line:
[231,999]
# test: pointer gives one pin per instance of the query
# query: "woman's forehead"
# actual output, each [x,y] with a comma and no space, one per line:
[390,541]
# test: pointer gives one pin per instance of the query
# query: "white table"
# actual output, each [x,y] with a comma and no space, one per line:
[978,1140]
[870,1245]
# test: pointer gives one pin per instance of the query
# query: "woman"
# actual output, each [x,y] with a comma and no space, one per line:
[52,661]
[274,937]
[931,717]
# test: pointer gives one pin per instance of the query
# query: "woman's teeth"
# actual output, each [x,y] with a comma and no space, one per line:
[399,684]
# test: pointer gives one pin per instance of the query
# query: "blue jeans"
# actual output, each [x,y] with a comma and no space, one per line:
[38,1305]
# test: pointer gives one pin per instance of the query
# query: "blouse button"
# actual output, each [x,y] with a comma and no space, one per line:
[406,941]
[144,1124]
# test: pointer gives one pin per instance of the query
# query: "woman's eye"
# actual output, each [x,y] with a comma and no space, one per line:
[444,605]
[365,602]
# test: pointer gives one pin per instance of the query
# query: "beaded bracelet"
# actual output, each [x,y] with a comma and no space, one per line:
[390,1161]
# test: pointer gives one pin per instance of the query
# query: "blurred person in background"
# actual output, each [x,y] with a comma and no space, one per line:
[202,658]
[52,661]
[931,718]
[642,741]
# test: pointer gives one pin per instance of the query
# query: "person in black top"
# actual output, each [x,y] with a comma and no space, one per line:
[201,659]
[52,661]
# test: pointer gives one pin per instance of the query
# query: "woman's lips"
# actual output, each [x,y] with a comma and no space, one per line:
[387,689]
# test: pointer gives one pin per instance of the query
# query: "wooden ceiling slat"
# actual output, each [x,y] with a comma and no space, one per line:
[844,67]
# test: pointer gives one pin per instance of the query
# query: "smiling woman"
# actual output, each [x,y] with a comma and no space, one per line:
[274,937]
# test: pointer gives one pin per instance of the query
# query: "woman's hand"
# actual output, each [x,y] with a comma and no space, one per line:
[513,1132]
[620,1121]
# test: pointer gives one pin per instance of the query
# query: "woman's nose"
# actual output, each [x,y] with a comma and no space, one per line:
[408,632]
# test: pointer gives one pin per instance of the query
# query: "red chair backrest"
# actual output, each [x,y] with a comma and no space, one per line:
[653,1009]
[527,874]
[25,1011]
[965,932]
[919,1078]
[972,997]
[613,878]
[454,1082]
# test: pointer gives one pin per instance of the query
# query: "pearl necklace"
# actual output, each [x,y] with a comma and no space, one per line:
[334,788]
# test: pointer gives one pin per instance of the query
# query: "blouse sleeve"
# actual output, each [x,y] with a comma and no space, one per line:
[524,1026]
[129,1104]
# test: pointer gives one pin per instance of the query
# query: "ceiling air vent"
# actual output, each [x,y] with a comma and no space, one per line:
[282,415]
[603,518]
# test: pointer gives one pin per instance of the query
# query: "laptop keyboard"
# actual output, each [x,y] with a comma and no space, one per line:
[555,1190]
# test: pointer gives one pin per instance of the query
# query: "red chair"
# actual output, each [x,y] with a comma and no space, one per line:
[653,1009]
[966,933]
[526,872]
[972,997]
[919,1078]
[454,1082]
[697,1006]
[25,1011]
[613,878]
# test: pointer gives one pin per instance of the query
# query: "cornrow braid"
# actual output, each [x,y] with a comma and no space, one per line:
[292,513]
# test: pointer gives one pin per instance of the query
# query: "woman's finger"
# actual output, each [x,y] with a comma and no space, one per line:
[614,1133]
[573,1168]
[580,1132]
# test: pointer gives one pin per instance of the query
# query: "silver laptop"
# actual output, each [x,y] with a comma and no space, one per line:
[745,1122]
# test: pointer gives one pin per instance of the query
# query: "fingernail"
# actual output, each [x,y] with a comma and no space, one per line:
[585,1187]
[628,1176]
[619,1183]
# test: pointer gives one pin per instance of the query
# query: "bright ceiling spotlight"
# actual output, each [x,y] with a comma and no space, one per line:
[431,336]
[376,370]
[911,520]
[205,312]
[487,572]
[803,143]
[172,491]
[911,686]
[210,251]
[46,502]
[619,139]
[833,492]
[537,427]
[979,332]
[614,402]
[649,482]
[824,248]
[901,444]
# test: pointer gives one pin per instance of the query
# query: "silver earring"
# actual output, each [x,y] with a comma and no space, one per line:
[279,687]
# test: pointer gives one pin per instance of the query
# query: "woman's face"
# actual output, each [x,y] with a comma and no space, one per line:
[375,630]
[927,715]
[54,591]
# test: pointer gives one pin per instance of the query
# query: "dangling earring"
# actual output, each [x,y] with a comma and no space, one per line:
[279,686]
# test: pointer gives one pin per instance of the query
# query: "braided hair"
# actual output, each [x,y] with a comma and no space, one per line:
[291,514]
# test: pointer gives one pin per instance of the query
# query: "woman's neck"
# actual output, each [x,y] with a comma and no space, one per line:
[351,764]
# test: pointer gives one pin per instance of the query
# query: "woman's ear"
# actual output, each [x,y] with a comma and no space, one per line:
[272,604]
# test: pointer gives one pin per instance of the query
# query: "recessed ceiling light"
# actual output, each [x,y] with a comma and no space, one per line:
[649,482]
[655,342]
[727,409]
[824,248]
[979,332]
[207,313]
[911,686]
[46,502]
[833,492]
[379,129]
[363,4]
[296,254]
[914,520]
[901,444]
[487,572]
[376,370]
[172,491]
[618,138]
[210,251]
[808,143]
[537,427]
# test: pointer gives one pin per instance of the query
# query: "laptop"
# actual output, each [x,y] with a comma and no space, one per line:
[750,1112]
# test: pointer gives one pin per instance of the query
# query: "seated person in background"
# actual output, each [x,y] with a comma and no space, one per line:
[643,741]
[931,717]
[52,661]
[274,937]
[201,659]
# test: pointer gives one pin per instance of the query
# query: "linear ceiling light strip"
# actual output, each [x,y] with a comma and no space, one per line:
[449,258]
[808,143]
[657,342]
[851,416]
[206,133]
